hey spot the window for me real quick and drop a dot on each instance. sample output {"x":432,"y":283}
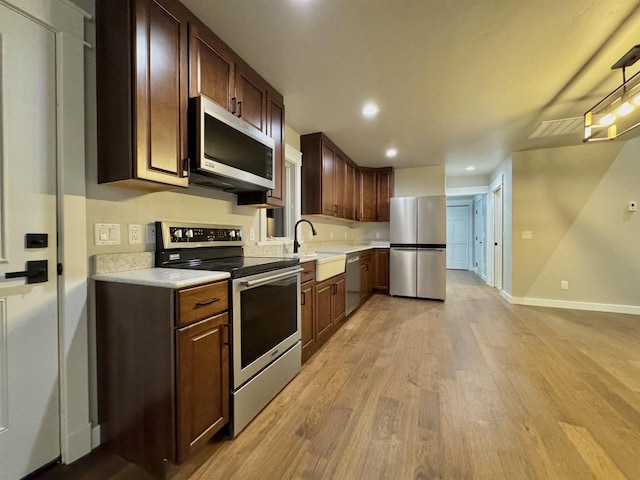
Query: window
{"x":276,"y":224}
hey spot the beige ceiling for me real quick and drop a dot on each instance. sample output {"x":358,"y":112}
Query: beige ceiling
{"x":459,"y":82}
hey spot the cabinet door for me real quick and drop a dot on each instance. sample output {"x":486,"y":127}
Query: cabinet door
{"x":251,"y":97}
{"x":339,"y":180}
{"x":203,"y":382}
{"x":382,"y":269}
{"x":328,"y":181}
{"x":339,"y":298}
{"x":211,"y":67}
{"x":368,"y":196}
{"x":384,"y":193}
{"x":161,"y":83}
{"x":324,"y":294}
{"x":307,"y":302}
{"x":275,"y":129}
{"x":350,"y":192}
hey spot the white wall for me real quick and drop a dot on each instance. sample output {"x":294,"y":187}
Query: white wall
{"x":574,"y":200}
{"x":419,"y":181}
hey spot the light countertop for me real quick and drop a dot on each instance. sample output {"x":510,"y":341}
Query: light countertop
{"x":346,"y":249}
{"x":162,"y":277}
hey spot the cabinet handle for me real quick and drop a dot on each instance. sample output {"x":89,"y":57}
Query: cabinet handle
{"x":233,"y":105}
{"x":185,"y":167}
{"x":204,"y":304}
{"x":304,"y":299}
{"x":225,"y":337}
{"x":239,"y":109}
{"x":335,"y":288}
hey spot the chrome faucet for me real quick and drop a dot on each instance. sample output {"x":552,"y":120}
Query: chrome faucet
{"x":296,"y":245}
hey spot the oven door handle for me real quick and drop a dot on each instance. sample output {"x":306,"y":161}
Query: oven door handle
{"x":272,"y":278}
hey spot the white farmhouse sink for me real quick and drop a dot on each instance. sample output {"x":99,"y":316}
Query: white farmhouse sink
{"x":329,"y":265}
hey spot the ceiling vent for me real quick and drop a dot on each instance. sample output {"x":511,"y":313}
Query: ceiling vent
{"x":552,"y":128}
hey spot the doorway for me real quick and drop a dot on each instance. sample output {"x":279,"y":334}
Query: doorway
{"x":459,"y":234}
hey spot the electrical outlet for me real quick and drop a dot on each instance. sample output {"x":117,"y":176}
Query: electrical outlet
{"x":151,"y":233}
{"x":377,"y":235}
{"x":632,"y":206}
{"x":330,"y":235}
{"x":252,"y":234}
{"x":345,"y":234}
{"x":135,"y":234}
{"x":527,"y":235}
{"x":106,"y":233}
{"x":564,"y":285}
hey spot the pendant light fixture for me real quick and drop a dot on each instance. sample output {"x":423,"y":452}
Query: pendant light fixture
{"x":619,"y":111}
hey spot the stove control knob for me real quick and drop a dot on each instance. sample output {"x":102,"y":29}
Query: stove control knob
{"x":232,"y":233}
{"x":188,"y":233}
{"x":177,"y":233}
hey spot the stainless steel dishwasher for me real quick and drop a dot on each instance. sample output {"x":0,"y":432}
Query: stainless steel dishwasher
{"x":353,"y":281}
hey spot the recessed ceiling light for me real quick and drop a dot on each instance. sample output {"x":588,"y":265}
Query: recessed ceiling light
{"x":370,"y":110}
{"x":391,"y":152}
{"x":470,"y":169}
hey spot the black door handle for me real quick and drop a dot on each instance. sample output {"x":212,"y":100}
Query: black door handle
{"x":37,"y":272}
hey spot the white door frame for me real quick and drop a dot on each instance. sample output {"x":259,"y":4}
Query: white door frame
{"x":466,"y":203}
{"x":494,"y":278}
{"x":66,"y":21}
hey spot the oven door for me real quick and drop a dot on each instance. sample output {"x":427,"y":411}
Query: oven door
{"x":266,"y":320}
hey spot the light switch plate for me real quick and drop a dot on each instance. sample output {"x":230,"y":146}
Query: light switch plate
{"x":106,"y":234}
{"x":527,"y":235}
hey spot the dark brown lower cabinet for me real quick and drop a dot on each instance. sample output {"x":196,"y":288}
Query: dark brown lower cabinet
{"x":324,"y":306}
{"x":163,"y":371}
{"x":203,"y":382}
{"x":308,"y":325}
{"x":381,"y":262}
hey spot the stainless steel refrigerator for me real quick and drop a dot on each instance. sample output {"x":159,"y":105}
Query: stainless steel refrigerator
{"x":418,"y":247}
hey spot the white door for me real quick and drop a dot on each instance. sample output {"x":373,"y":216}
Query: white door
{"x":29,"y":391}
{"x":479,"y":225}
{"x":458,"y":237}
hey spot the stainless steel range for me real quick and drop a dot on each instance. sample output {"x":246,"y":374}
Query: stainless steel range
{"x":265,"y":292}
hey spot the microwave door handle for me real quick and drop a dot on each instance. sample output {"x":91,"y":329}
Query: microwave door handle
{"x":272,"y":278}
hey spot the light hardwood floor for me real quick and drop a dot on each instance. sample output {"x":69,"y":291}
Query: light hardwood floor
{"x":473,"y":388}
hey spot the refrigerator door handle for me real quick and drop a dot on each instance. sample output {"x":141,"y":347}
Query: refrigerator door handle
{"x":400,"y":249}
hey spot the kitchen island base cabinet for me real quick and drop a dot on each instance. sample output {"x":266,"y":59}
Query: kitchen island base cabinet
{"x":162,"y":390}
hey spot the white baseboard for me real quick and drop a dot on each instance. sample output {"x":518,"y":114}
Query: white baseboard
{"x":593,"y":307}
{"x":77,"y":444}
{"x":95,"y":437}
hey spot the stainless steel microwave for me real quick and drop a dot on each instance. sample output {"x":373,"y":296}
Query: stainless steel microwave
{"x":229,"y":153}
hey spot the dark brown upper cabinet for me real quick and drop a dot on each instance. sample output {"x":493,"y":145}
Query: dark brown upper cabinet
{"x":333,"y":185}
{"x":152,"y":55}
{"x":211,"y":66}
{"x":322,"y":176}
{"x":222,"y":76}
{"x":142,"y":84}
{"x":368,"y":195}
{"x":384,"y":192}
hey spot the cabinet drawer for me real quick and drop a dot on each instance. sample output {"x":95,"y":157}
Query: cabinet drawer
{"x":202,"y":302}
{"x":309,"y":272}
